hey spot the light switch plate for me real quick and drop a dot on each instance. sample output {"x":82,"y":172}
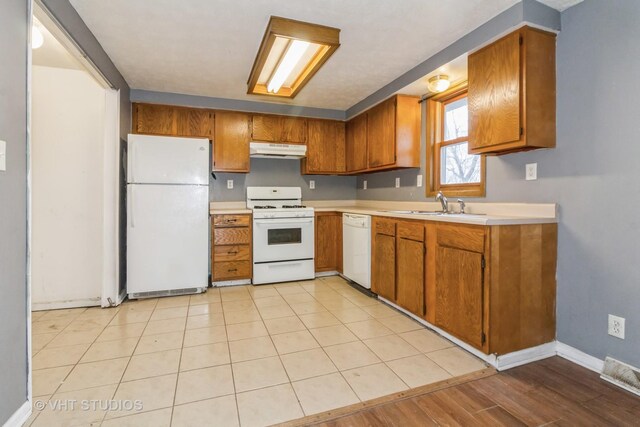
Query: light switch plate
{"x":531,"y":171}
{"x":397,"y":182}
{"x":364,"y":186}
{"x":229,"y":184}
{"x":312,"y":185}
{"x":419,"y":181}
{"x":3,"y":155}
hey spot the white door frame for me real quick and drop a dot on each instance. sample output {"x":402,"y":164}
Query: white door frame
{"x":111,"y":295}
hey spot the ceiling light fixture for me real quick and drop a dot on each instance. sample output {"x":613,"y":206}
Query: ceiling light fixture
{"x":439,"y":83}
{"x":290,"y":54}
{"x":37,"y":39}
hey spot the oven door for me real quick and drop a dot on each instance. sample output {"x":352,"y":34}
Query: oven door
{"x":282,"y":239}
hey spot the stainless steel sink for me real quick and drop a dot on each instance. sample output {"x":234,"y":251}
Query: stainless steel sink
{"x":409,"y":212}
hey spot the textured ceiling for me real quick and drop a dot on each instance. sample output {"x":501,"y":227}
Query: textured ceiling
{"x":207,"y":47}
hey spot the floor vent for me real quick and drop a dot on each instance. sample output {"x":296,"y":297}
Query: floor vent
{"x":155,"y":294}
{"x":622,"y":375}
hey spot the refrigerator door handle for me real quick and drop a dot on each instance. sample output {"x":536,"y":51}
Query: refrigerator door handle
{"x":130,"y":205}
{"x":132,"y":162}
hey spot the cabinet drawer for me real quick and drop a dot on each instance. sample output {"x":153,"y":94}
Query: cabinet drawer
{"x":232,"y":236}
{"x":411,"y":231}
{"x":231,"y":270}
{"x":464,"y":237}
{"x":385,"y":226}
{"x":231,"y":220}
{"x":232,"y":253}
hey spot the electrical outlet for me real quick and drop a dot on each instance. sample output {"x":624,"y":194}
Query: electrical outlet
{"x":397,"y":182}
{"x":616,"y":326}
{"x":531,"y":171}
{"x":3,"y":155}
{"x":312,"y":185}
{"x":229,"y":184}
{"x":419,"y":181}
{"x":364,"y":185}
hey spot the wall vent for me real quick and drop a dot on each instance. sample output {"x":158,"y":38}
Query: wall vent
{"x":622,"y":375}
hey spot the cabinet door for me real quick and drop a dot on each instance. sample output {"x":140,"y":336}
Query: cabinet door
{"x":356,"y":144}
{"x":381,"y":134}
{"x":328,"y":241}
{"x":411,"y":267}
{"x":194,"y":122}
{"x":231,"y":142}
{"x":267,"y":128}
{"x":325,"y":147}
{"x":155,"y":119}
{"x":494,"y":93}
{"x":383,"y":279}
{"x":459,"y":293}
{"x":294,"y":130}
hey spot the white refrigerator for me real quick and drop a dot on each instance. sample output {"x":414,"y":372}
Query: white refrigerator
{"x":167,"y":215}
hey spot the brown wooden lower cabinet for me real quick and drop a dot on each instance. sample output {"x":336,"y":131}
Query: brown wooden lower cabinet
{"x":492,"y":287}
{"x":328,"y":241}
{"x":231,"y":250}
{"x":383,"y":257}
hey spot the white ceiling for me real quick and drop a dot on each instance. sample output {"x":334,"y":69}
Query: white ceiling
{"x":207,"y":47}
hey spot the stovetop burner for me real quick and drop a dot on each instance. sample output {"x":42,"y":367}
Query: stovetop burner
{"x":264,"y":207}
{"x":293,"y":206}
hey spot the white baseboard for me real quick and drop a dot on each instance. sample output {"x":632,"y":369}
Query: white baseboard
{"x":231,"y":283}
{"x":20,"y":416}
{"x":528,"y":355}
{"x":579,"y":357}
{"x":56,"y":305}
{"x":326,"y":273}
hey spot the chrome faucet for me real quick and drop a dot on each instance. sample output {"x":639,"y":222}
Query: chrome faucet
{"x":462,"y":205}
{"x":443,"y":201}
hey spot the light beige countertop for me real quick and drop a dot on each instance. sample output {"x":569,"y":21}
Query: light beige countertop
{"x":477,"y":213}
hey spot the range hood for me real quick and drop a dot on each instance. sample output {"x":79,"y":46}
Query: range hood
{"x":277,"y":151}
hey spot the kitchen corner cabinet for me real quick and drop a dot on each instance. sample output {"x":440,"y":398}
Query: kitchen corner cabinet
{"x":492,"y":287}
{"x":231,"y":140}
{"x":512,"y":93}
{"x":356,"y":144}
{"x":325,"y":148}
{"x":279,"y":129}
{"x":231,"y":247}
{"x":328,"y":241}
{"x":393,"y":134}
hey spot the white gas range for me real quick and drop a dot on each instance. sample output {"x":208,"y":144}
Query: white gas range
{"x":283,"y":235}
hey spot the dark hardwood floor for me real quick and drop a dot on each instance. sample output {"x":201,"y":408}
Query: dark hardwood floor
{"x":553,"y":392}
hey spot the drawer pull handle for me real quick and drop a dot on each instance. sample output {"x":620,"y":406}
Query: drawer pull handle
{"x":232,"y":253}
{"x":232,"y":270}
{"x":230,"y":220}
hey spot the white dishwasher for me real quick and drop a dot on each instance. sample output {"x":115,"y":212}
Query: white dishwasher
{"x":356,"y":248}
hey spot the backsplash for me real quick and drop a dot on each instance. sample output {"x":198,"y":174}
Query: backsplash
{"x":283,"y":173}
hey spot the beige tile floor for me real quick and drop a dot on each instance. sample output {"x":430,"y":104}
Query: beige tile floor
{"x":248,"y":356}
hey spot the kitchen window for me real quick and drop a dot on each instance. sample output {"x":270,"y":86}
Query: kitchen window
{"x":450,"y":167}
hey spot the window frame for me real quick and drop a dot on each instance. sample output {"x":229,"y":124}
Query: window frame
{"x":435,"y":142}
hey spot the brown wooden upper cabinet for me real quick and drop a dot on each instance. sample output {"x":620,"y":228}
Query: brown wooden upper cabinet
{"x":356,"y":144}
{"x":168,"y":120}
{"x":231,"y":142}
{"x":385,"y":137}
{"x":512,"y":93}
{"x":325,"y":148}
{"x":287,"y":130}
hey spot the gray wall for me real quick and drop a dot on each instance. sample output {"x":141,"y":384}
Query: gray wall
{"x":280,"y":172}
{"x":593,"y":174}
{"x":14,"y":20}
